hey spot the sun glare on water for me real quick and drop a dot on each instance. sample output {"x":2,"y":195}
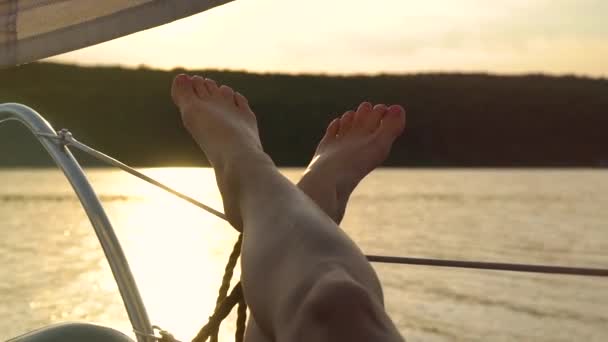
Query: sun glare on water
{"x":177,"y":251}
{"x":52,"y":268}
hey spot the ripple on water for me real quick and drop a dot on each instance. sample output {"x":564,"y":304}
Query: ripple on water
{"x":52,"y":269}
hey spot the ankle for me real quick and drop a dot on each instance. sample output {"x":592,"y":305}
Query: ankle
{"x":321,"y":189}
{"x":237,"y":178}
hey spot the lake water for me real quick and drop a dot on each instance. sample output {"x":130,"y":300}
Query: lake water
{"x":52,"y":268}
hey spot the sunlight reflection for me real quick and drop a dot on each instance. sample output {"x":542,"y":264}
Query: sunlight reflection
{"x":177,"y":251}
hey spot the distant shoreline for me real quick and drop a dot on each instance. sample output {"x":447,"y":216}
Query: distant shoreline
{"x":455,"y":120}
{"x":178,"y":69}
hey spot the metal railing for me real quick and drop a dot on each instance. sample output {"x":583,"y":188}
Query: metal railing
{"x":94,"y":210}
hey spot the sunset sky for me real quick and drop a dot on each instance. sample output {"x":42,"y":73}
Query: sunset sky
{"x":371,"y":36}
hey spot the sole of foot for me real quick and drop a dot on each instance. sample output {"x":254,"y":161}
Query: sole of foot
{"x":224,"y":126}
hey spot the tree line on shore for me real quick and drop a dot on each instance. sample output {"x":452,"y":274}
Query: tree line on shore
{"x":453,"y":120}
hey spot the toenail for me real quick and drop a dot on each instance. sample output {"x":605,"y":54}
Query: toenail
{"x":379,"y":107}
{"x":366,"y":106}
{"x":182,"y":78}
{"x":395,"y":109}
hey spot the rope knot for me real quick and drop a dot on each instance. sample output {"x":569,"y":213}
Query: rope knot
{"x":165,"y":336}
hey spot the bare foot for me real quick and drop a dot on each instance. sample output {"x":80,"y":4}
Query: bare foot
{"x":218,"y":119}
{"x":353,"y":146}
{"x":224,"y":126}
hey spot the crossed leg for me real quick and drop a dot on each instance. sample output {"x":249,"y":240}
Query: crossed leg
{"x":345,"y":155}
{"x":303,"y":278}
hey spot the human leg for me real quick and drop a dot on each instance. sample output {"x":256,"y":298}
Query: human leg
{"x":343,"y":157}
{"x":295,"y":259}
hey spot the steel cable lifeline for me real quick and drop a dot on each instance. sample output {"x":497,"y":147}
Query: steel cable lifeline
{"x":226,"y":302}
{"x":65,"y":137}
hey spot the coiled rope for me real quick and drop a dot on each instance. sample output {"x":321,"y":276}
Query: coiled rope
{"x":226,"y":302}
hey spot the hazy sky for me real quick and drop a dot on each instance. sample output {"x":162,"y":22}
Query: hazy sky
{"x":368,"y":36}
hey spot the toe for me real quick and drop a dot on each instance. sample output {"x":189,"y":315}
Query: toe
{"x":332,"y":129}
{"x":364,"y":107}
{"x":182,"y":91}
{"x":392,"y":124}
{"x":371,"y":121}
{"x":241,"y":101}
{"x":212,"y":87}
{"x":227,"y":92}
{"x":330,"y":132}
{"x":199,"y":87}
{"x":346,"y":123}
{"x":363,"y":111}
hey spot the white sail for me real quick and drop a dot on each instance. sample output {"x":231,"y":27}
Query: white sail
{"x":36,"y":29}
